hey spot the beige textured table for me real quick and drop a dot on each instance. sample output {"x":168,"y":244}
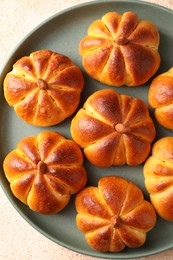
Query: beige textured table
{"x":18,"y":240}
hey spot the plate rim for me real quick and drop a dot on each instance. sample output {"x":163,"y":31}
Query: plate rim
{"x":66,"y":10}
{"x":2,"y":75}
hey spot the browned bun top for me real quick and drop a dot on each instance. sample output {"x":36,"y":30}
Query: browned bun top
{"x":121,"y":49}
{"x":44,"y":88}
{"x":113,"y":129}
{"x":44,"y":171}
{"x":160,"y":97}
{"x":114,"y":215}
{"x":158,"y":173}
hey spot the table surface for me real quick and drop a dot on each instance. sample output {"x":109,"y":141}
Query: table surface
{"x":18,"y":240}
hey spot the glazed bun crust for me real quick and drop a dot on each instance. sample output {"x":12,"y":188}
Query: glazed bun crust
{"x":44,"y":171}
{"x":121,"y":50}
{"x":158,"y":173}
{"x":44,"y":88}
{"x":160,"y":97}
{"x":113,"y":129}
{"x":114,"y":215}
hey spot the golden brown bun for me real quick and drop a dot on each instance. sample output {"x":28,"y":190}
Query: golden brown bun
{"x":113,"y":129}
{"x":160,"y":97}
{"x":158,"y":173}
{"x":44,"y":171}
{"x":44,"y":88}
{"x":114,"y":215}
{"x":121,"y":50}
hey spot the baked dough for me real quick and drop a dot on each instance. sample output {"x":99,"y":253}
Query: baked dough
{"x":113,"y":129}
{"x":121,"y":50}
{"x":160,"y":97}
{"x":44,"y":171}
{"x":114,"y":215}
{"x":158,"y":173}
{"x":44,"y":88}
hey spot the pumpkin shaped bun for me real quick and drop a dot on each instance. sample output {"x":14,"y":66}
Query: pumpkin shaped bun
{"x":114,"y":215}
{"x":44,"y":88}
{"x":44,"y":171}
{"x":158,"y":173}
{"x":121,"y":49}
{"x":160,"y":97}
{"x":113,"y":129}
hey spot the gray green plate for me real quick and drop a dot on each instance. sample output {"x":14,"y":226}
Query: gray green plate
{"x":62,"y":33}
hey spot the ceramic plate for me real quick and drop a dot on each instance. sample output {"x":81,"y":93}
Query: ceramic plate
{"x":62,"y":33}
